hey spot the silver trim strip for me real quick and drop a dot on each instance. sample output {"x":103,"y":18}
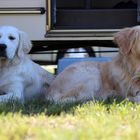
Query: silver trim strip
{"x":39,"y":10}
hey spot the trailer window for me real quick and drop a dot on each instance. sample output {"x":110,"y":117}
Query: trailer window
{"x":94,"y":14}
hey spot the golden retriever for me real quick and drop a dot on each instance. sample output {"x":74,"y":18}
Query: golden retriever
{"x":20,"y":78}
{"x":99,"y":80}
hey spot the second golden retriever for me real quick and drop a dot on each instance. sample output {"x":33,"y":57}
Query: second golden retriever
{"x":99,"y":80}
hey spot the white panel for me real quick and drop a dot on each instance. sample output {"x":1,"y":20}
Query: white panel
{"x":22,"y":3}
{"x":34,"y":25}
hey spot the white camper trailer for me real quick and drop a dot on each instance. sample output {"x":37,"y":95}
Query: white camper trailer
{"x":63,"y":24}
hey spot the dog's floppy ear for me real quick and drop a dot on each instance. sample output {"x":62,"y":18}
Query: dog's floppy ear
{"x":25,"y":44}
{"x":126,"y":39}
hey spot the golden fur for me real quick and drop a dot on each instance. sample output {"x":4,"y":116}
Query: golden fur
{"x":99,"y":80}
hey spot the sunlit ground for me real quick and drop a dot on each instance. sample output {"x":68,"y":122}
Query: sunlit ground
{"x":50,"y":68}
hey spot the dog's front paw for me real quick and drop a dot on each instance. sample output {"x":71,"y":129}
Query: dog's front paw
{"x":135,"y":97}
{"x":2,"y":92}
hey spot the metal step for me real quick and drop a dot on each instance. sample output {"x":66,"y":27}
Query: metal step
{"x":102,"y":34}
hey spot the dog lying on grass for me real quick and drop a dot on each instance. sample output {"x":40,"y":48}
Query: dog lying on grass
{"x":20,"y":78}
{"x":99,"y":80}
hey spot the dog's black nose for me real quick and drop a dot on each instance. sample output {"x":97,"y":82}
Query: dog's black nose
{"x":3,"y":50}
{"x":2,"y":47}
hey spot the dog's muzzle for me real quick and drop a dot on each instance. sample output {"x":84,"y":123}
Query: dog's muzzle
{"x":3,"y":50}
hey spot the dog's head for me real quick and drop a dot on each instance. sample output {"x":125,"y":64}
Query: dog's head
{"x":13,"y":42}
{"x":128,"y":40}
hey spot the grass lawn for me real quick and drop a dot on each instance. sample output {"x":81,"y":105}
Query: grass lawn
{"x":89,"y":121}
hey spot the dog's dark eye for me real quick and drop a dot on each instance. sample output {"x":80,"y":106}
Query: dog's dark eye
{"x":11,"y":38}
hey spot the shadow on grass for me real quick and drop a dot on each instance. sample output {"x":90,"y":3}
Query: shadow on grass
{"x":37,"y":107}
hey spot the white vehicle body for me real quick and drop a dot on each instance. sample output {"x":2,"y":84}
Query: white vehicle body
{"x":64,"y":24}
{"x":25,"y":15}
